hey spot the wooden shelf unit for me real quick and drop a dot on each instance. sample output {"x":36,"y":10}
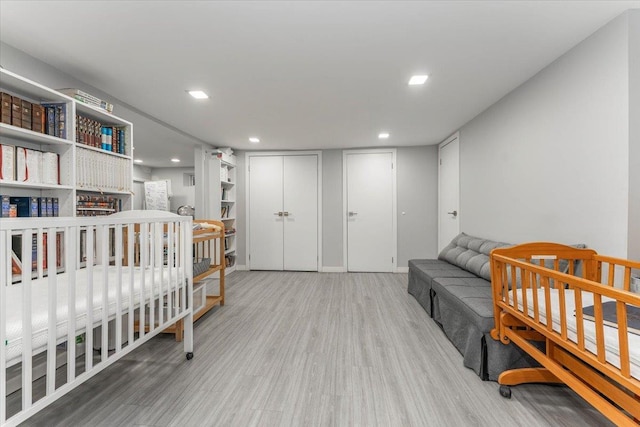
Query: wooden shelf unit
{"x":207,"y":243}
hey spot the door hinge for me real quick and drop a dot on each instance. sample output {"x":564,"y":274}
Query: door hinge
{"x":391,"y":260}
{"x":249,"y":257}
{"x":391,"y":165}
{"x":440,"y":162}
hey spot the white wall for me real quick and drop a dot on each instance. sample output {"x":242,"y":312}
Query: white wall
{"x":550,"y":161}
{"x":182,"y":195}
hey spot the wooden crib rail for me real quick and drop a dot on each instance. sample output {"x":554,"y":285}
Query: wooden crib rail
{"x":587,"y":368}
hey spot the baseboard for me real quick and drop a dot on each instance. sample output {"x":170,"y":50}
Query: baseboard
{"x":402,"y":270}
{"x":326,"y":269}
{"x":240,"y":267}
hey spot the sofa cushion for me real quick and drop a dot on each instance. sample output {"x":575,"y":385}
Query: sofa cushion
{"x":474,"y":303}
{"x":471,"y":254}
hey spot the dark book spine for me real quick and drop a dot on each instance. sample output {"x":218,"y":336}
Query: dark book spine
{"x":5,"y":108}
{"x":26,"y":114}
{"x":16,"y":111}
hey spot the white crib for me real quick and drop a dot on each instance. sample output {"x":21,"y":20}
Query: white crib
{"x":80,"y":293}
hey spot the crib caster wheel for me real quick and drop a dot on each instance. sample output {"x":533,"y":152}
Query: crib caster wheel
{"x":189,"y":355}
{"x":505,"y":391}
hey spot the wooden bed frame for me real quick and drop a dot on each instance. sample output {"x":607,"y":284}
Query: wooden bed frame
{"x":525,"y":279}
{"x":116,"y":290}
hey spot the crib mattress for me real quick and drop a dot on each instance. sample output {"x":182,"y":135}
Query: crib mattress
{"x":611,"y":333}
{"x":157,"y":281}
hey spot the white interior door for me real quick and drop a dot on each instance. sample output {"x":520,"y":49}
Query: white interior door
{"x":266,"y":220}
{"x":448,"y":191}
{"x":370,"y":196}
{"x":300,"y":205}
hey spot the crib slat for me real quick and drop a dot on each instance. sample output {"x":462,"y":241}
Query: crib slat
{"x":53,"y":307}
{"x":182,"y":231}
{"x":143,"y":267}
{"x":71,"y":235}
{"x":170,"y":287}
{"x":544,"y":281}
{"x":118,"y":253}
{"x":104,"y":252}
{"x":599,"y":325}
{"x":627,"y":279}
{"x":153,"y":236}
{"x":131,"y":236}
{"x":525,"y":286}
{"x":27,"y":373}
{"x":563,"y":311}
{"x":536,"y":305}
{"x":623,"y":338}
{"x":514,"y":287}
{"x":579,"y":317}
{"x":89,"y":302}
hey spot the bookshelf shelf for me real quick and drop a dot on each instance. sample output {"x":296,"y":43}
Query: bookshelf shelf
{"x":101,"y":191}
{"x":227,"y":201}
{"x":26,"y":135}
{"x":82,"y":169}
{"x":31,"y":185}
{"x":35,"y":92}
{"x":100,"y":150}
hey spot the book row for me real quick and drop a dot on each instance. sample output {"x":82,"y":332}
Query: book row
{"x":47,"y":118}
{"x":87,"y":98}
{"x":95,"y":134}
{"x":91,"y":205}
{"x":29,"y":206}
{"x":98,"y":171}
{"x":16,"y":253}
{"x":224,"y":211}
{"x":26,"y":165}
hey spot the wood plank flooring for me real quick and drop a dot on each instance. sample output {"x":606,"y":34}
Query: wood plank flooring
{"x":309,"y":349}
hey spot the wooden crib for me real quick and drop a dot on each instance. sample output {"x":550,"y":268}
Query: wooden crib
{"x":73,"y":294}
{"x":564,"y":297}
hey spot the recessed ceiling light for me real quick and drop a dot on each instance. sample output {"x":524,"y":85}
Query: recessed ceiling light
{"x":175,"y":160}
{"x":198,"y":94}
{"x":138,"y":161}
{"x":418,"y":80}
{"x":383,"y":135}
{"x":254,"y":140}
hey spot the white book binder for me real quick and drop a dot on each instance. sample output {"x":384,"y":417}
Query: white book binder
{"x":50,"y":168}
{"x":7,"y":162}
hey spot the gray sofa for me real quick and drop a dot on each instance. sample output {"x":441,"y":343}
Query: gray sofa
{"x":455,"y":290}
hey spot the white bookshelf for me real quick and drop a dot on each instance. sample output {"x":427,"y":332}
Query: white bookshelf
{"x":72,"y":155}
{"x":227,"y":205}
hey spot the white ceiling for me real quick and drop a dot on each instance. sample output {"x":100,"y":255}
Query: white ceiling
{"x":301,"y":75}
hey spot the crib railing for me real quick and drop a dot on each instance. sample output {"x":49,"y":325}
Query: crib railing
{"x":78,"y":292}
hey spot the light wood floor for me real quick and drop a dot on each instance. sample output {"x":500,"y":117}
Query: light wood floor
{"x":306,"y":349}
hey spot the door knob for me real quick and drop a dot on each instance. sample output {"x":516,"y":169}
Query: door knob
{"x":278,"y":213}
{"x":285,"y":213}
{"x":353,"y":213}
{"x":454,"y":213}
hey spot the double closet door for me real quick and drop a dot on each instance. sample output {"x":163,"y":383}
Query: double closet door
{"x":283,"y":212}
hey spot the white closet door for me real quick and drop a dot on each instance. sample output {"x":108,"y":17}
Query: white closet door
{"x":301,"y":213}
{"x":265,"y":223}
{"x":370,"y":212}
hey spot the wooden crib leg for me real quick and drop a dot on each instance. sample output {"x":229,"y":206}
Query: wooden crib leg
{"x":527,"y":375}
{"x":179,"y":330}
